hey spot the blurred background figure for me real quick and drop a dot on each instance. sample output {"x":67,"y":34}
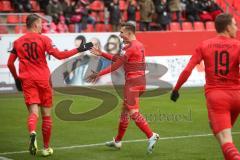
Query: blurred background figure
{"x":82,"y":16}
{"x":76,"y":74}
{"x":96,"y":43}
{"x":131,"y":11}
{"x":54,"y":9}
{"x":192,"y":11}
{"x":147,"y":9}
{"x":43,"y":4}
{"x":204,"y":13}
{"x":175,"y":9}
{"x":114,"y":15}
{"x":93,"y":61}
{"x":61,"y":26}
{"x":214,"y":9}
{"x":22,"y":5}
{"x":68,"y":10}
{"x":163,"y":17}
{"x":113,"y":46}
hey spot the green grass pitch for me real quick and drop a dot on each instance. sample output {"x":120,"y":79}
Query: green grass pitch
{"x":192,"y":120}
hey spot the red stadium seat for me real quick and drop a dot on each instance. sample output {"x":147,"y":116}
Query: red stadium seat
{"x":24,"y":18}
{"x":122,"y":5}
{"x":98,"y":16}
{"x":3,"y":30}
{"x":199,"y":26}
{"x":71,"y":28}
{"x":97,"y":5}
{"x":210,"y":26}
{"x":100,"y":27}
{"x":90,"y":28}
{"x":109,"y":28}
{"x":5,"y":5}
{"x":13,"y":19}
{"x":187,"y":26}
{"x":20,"y":29}
{"x":35,"y":5}
{"x":95,"y":16}
{"x":101,"y":16}
{"x":175,"y":26}
{"x":137,"y":26}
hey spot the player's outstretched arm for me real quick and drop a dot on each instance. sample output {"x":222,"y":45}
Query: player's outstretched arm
{"x":11,"y":66}
{"x":195,"y":59}
{"x":66,"y":54}
{"x":95,"y":76}
{"x":52,"y":50}
{"x":62,"y":55}
{"x":108,"y":56}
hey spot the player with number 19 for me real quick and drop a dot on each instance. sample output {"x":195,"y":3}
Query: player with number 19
{"x":34,"y":77}
{"x":221,"y":57}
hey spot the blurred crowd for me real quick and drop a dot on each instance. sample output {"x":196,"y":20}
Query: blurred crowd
{"x":143,"y":12}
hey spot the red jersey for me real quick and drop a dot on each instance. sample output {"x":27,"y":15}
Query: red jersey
{"x":31,"y":49}
{"x":221,"y":60}
{"x":133,"y":59}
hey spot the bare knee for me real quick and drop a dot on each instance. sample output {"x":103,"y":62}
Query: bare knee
{"x":45,"y":111}
{"x":33,"y":109}
{"x":224,"y":136}
{"x":132,"y":111}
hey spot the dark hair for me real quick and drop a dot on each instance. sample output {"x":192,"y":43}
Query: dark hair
{"x":222,"y":21}
{"x":31,"y":19}
{"x":129,"y":26}
{"x":82,"y":38}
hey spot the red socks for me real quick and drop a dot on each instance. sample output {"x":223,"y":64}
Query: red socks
{"x":123,"y":124}
{"x":46,"y":130}
{"x":46,"y":127}
{"x":32,"y":122}
{"x":230,"y":151}
{"x":142,"y":123}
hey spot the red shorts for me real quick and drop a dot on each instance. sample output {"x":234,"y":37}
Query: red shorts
{"x":132,"y":92}
{"x":37,"y":92}
{"x":223,"y":108}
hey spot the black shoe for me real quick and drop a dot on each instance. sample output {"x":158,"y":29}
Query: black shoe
{"x":33,"y":144}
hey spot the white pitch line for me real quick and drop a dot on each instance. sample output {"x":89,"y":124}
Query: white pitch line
{"x":128,"y":141}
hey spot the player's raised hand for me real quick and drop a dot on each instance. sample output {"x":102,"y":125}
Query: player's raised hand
{"x":174,"y":96}
{"x":85,"y":47}
{"x":96,"y":51}
{"x":93,"y":77}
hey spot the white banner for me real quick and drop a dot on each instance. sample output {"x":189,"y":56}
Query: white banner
{"x":174,"y":64}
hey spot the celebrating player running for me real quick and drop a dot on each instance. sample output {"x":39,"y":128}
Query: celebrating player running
{"x":222,"y":89}
{"x":34,"y":77}
{"x":134,"y":66}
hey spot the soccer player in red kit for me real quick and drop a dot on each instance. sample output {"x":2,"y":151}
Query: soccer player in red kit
{"x":221,"y":56}
{"x":34,"y":78}
{"x":133,"y":62}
